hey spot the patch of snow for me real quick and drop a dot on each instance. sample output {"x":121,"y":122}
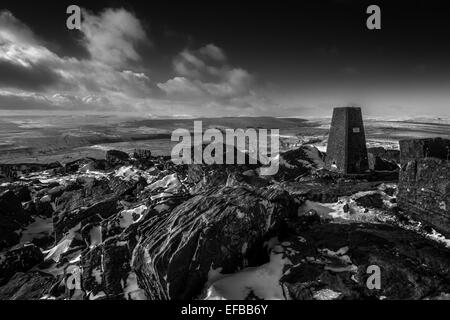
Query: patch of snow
{"x":169,"y":183}
{"x":436,"y":236}
{"x":100,"y":294}
{"x":129,"y":217}
{"x":95,"y":236}
{"x":326,"y":294}
{"x":63,"y":245}
{"x":131,"y":290}
{"x":262,"y":281}
{"x":97,"y":274}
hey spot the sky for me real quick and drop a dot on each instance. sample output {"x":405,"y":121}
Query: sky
{"x":213,"y":59}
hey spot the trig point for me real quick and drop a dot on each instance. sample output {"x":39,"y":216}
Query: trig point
{"x":346,"y":150}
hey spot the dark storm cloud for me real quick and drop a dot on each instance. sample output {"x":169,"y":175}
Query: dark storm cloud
{"x":286,"y":58}
{"x":34,"y":78}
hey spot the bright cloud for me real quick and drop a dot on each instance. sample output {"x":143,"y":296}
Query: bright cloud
{"x":32,"y":76}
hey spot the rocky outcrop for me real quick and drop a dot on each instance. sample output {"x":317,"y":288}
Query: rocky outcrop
{"x":424,"y":186}
{"x":298,"y":163}
{"x":157,"y":230}
{"x":143,"y":158}
{"x":335,"y":258}
{"x":390,"y":155}
{"x":116,"y":158}
{"x":12,"y":218}
{"x":18,"y":260}
{"x":218,"y":229}
{"x":377,"y":163}
{"x":12,"y":171}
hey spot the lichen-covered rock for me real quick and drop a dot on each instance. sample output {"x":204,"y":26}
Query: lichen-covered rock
{"x":218,"y":229}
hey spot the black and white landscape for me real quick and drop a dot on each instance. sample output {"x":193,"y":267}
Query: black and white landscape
{"x":92,"y":206}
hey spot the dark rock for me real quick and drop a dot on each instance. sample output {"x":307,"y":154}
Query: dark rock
{"x":43,"y":208}
{"x":328,"y":191}
{"x":11,"y":207}
{"x":27,"y":286}
{"x":102,"y":209}
{"x":18,"y":260}
{"x":106,"y":268}
{"x":236,"y":179}
{"x":379,"y":164}
{"x":297,"y":163}
{"x":216,"y":229}
{"x":13,"y":171}
{"x":415,"y":149}
{"x":386,"y":154}
{"x":121,"y":187}
{"x":23,"y":193}
{"x":143,"y":158}
{"x":373,"y":200}
{"x":116,"y":158}
{"x":424,"y":186}
{"x":412,"y":267}
{"x":84,"y":165}
{"x":390,"y":191}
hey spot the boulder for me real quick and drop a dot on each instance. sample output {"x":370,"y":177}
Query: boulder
{"x":12,"y":218}
{"x":84,"y":165}
{"x":424,"y":186}
{"x":143,"y":158}
{"x":217,"y":229}
{"x":371,"y":200}
{"x":96,"y":212}
{"x":116,"y":158}
{"x":298,"y":163}
{"x":390,"y":155}
{"x":106,"y":270}
{"x":377,"y":163}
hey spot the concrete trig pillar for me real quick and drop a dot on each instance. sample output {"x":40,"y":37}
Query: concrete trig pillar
{"x":346,"y":150}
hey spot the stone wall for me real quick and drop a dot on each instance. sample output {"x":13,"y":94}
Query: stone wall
{"x":424,"y":184}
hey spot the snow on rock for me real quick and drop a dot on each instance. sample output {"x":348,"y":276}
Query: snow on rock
{"x":342,"y":262}
{"x":326,"y":294}
{"x":63,"y":245}
{"x":169,"y":183}
{"x":366,"y":206}
{"x":262,"y":282}
{"x":95,"y":236}
{"x":129,"y":217}
{"x":131,"y":290}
